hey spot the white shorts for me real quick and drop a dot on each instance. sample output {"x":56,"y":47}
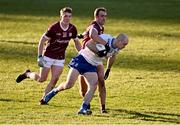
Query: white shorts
{"x":50,"y":62}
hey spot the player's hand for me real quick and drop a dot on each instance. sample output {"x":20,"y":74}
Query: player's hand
{"x":107,"y":47}
{"x":106,"y":74}
{"x":80,"y":36}
{"x":41,"y":61}
{"x":102,"y":53}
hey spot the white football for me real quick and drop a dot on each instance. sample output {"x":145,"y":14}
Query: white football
{"x":100,"y":47}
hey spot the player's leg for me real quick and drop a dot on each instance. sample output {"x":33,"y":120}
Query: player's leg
{"x":41,"y":77}
{"x":22,"y":76}
{"x":91,"y":79}
{"x":82,"y":86}
{"x":71,"y":79}
{"x":55,"y":73}
{"x":101,"y":87}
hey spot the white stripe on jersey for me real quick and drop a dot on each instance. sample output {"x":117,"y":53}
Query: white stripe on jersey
{"x":90,"y":31}
{"x":44,"y":35}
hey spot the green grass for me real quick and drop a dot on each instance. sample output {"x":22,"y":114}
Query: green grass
{"x":144,"y":83}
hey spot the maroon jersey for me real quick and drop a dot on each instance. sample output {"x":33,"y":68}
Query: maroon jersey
{"x":59,"y":40}
{"x":95,"y":25}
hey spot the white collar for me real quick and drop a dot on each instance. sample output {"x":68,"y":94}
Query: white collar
{"x":64,"y":29}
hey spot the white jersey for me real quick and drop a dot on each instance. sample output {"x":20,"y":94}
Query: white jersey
{"x":92,"y":58}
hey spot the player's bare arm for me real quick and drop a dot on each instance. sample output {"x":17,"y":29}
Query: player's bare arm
{"x":94,"y":35}
{"x":77,"y":44}
{"x":110,"y":61}
{"x":92,"y":46}
{"x":41,"y":44}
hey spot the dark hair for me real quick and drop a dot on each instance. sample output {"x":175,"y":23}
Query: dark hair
{"x":97,"y":10}
{"x":65,"y":9}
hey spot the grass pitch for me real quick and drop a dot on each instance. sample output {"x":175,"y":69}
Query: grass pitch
{"x":144,"y":83}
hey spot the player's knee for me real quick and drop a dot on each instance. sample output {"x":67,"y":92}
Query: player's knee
{"x":41,"y":79}
{"x":93,"y":86}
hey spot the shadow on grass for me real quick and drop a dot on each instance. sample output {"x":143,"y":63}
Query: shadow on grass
{"x":148,"y":116}
{"x":18,"y":50}
{"x":62,"y":106}
{"x":150,"y":63}
{"x":167,"y":114}
{"x":19,"y":42}
{"x":25,"y":52}
{"x":11,"y":100}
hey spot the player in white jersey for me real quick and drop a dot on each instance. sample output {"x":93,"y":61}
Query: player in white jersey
{"x":89,"y":52}
{"x":85,"y":63}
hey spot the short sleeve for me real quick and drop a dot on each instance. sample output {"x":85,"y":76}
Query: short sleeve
{"x":93,"y":27}
{"x":50,"y":33}
{"x":74,"y":35}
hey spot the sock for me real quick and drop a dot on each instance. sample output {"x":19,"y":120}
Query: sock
{"x":27,"y":73}
{"x":103,"y":107}
{"x":50,"y":95}
{"x":89,"y":106}
{"x":84,"y":106}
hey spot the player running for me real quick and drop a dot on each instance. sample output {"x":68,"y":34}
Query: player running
{"x":92,"y":32}
{"x":53,"y":58}
{"x":85,"y":63}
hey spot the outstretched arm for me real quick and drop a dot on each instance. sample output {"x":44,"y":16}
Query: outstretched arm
{"x":110,"y":62}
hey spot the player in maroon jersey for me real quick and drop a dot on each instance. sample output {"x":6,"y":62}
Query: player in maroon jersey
{"x":53,"y":57}
{"x":92,"y":32}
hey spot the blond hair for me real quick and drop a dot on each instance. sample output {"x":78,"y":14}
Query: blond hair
{"x":65,"y":9}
